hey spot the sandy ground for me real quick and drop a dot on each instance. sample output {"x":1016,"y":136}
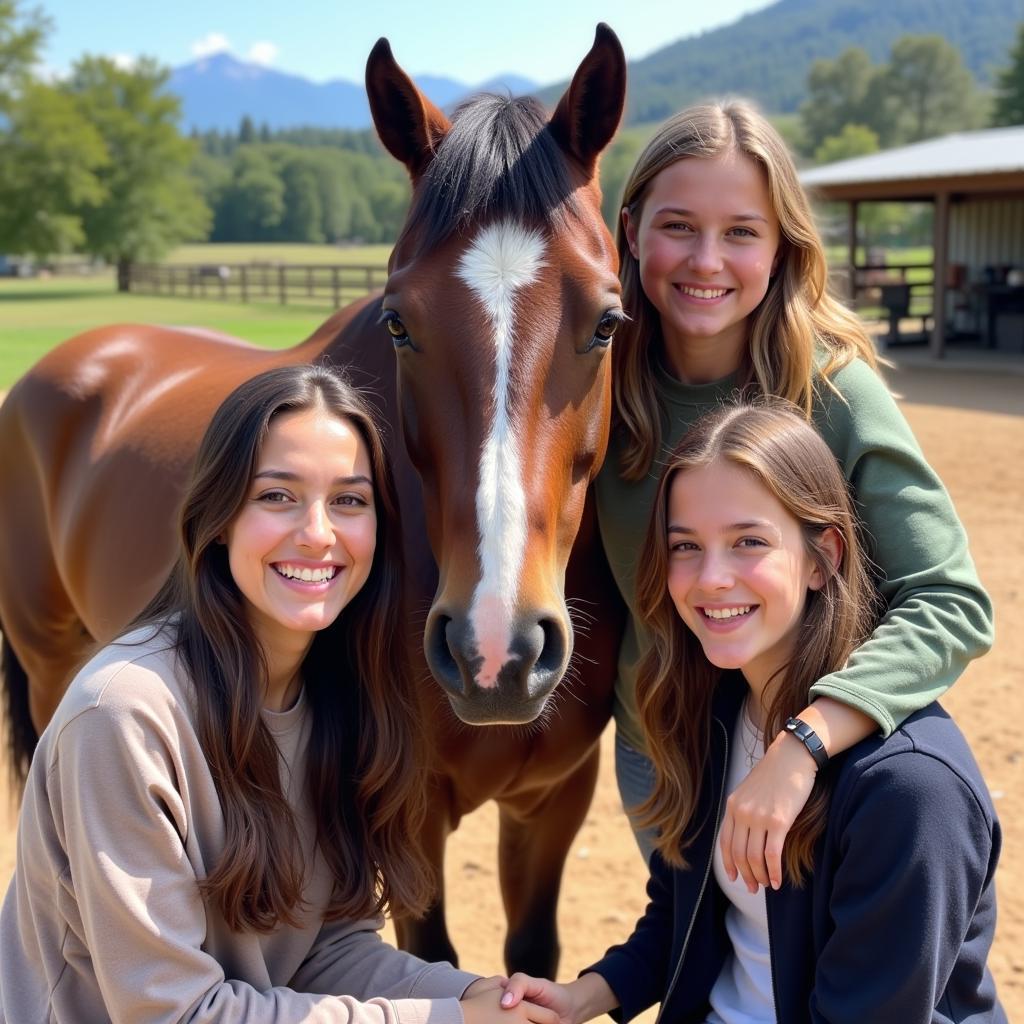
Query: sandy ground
{"x":971,"y":426}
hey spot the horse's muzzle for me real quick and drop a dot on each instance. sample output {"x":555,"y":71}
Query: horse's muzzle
{"x":538,"y":652}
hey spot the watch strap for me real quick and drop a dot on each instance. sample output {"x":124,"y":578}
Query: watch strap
{"x":809,"y":738}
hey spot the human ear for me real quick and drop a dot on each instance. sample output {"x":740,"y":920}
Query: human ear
{"x":629,"y":226}
{"x":830,"y":543}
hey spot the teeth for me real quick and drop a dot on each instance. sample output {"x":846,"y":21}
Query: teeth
{"x":703,"y":293}
{"x":307,"y":575}
{"x":726,"y":613}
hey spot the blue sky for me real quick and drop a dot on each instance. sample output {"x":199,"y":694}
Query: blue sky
{"x":325,"y":39}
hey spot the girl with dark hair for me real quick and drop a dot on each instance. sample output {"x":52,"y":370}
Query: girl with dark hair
{"x":226,"y":799}
{"x":753,"y":585}
{"x":725,"y":282}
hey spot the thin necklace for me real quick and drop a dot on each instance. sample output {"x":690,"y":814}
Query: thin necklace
{"x":755,"y":751}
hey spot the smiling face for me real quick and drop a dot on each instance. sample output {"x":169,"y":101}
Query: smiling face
{"x":706,"y":238}
{"x":738,"y":569}
{"x":303,"y":543}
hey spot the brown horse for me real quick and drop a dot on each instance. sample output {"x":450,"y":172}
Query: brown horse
{"x":488,"y":356}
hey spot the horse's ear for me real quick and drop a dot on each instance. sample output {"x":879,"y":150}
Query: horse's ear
{"x":409,"y":125}
{"x":588,"y":114}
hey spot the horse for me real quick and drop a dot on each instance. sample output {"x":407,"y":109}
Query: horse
{"x":488,"y":357}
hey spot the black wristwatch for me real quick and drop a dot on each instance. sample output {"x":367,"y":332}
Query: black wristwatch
{"x":809,"y":738}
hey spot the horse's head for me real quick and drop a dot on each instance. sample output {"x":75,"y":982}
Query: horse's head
{"x":501,"y":302}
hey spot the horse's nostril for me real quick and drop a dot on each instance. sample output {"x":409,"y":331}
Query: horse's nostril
{"x":439,"y":653}
{"x":552,"y":653}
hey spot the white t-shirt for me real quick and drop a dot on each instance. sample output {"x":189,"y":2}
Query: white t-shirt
{"x":743,"y":992}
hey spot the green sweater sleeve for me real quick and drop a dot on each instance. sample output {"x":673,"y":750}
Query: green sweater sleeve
{"x":937,"y":617}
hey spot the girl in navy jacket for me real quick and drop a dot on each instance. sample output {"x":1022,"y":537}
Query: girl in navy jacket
{"x":753,"y":586}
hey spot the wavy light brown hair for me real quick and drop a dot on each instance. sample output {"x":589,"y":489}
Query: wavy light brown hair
{"x":676,"y":682}
{"x":364,"y":758}
{"x":796,"y":323}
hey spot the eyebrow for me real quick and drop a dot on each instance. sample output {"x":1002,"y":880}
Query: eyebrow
{"x":690,"y":213}
{"x":752,"y":524}
{"x":285,"y":475}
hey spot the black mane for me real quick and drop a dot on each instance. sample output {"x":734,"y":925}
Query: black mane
{"x":500,"y":159}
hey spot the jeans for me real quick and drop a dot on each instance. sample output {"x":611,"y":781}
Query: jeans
{"x":635,"y":776}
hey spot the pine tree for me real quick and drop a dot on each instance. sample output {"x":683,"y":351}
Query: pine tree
{"x":1009,"y":104}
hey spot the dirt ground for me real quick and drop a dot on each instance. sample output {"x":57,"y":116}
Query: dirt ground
{"x":971,"y":427}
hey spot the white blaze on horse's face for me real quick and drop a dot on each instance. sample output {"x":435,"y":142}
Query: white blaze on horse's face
{"x":501,"y":261}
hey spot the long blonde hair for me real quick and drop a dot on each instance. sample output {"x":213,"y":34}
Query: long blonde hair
{"x":676,"y":682}
{"x":795,"y":321}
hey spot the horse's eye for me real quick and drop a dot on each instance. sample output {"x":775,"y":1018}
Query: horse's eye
{"x":399,"y":335}
{"x":605,"y":330}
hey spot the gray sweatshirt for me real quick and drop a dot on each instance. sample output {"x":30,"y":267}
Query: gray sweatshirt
{"x":103,"y":920}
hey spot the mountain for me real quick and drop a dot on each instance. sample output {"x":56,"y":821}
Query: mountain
{"x":219,"y":90}
{"x":767,"y":54}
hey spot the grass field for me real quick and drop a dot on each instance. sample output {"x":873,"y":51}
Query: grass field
{"x":36,"y":314}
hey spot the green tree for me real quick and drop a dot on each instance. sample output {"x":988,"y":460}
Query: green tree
{"x":212,"y":177}
{"x":252,"y":204}
{"x":616,"y":164}
{"x":1009,"y":92}
{"x":49,"y":154}
{"x":389,"y":202}
{"x":246,"y":131}
{"x":303,"y":217}
{"x":838,"y":93}
{"x":49,"y":160}
{"x":853,"y":140}
{"x":150,"y":201}
{"x":21,"y":33}
{"x":928,"y":89}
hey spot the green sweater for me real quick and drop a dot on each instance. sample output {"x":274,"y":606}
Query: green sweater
{"x":937,"y":616}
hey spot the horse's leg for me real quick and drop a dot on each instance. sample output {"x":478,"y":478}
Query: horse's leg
{"x":44,"y":638}
{"x":534,"y":840}
{"x":44,"y":642}
{"x":428,"y":936}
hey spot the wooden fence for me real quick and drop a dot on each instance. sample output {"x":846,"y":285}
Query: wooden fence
{"x":258,"y":282}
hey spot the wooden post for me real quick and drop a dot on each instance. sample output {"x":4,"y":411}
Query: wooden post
{"x":369,"y":280}
{"x":282,"y":287}
{"x":851,"y":246}
{"x":245,"y":283}
{"x":191,"y":282}
{"x":335,"y":287}
{"x":940,"y":250}
{"x":309,"y":281}
{"x":174,"y":279}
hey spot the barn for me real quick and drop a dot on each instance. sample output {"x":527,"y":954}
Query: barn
{"x":975,"y":181}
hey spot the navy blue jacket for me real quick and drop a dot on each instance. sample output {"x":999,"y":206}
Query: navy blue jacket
{"x":896,"y":923}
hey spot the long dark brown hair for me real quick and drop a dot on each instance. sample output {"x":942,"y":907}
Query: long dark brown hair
{"x":676,"y":682}
{"x":796,"y":323}
{"x":364,"y":761}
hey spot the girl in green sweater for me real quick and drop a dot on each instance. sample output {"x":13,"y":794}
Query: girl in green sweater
{"x":724,"y":278}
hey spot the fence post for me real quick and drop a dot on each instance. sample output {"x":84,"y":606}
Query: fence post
{"x":335,"y":287}
{"x":245,"y":283}
{"x":309,"y":281}
{"x":282,"y":288}
{"x":191,"y":271}
{"x":369,"y":280}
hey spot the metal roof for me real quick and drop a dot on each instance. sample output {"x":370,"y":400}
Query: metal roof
{"x":963,"y":154}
